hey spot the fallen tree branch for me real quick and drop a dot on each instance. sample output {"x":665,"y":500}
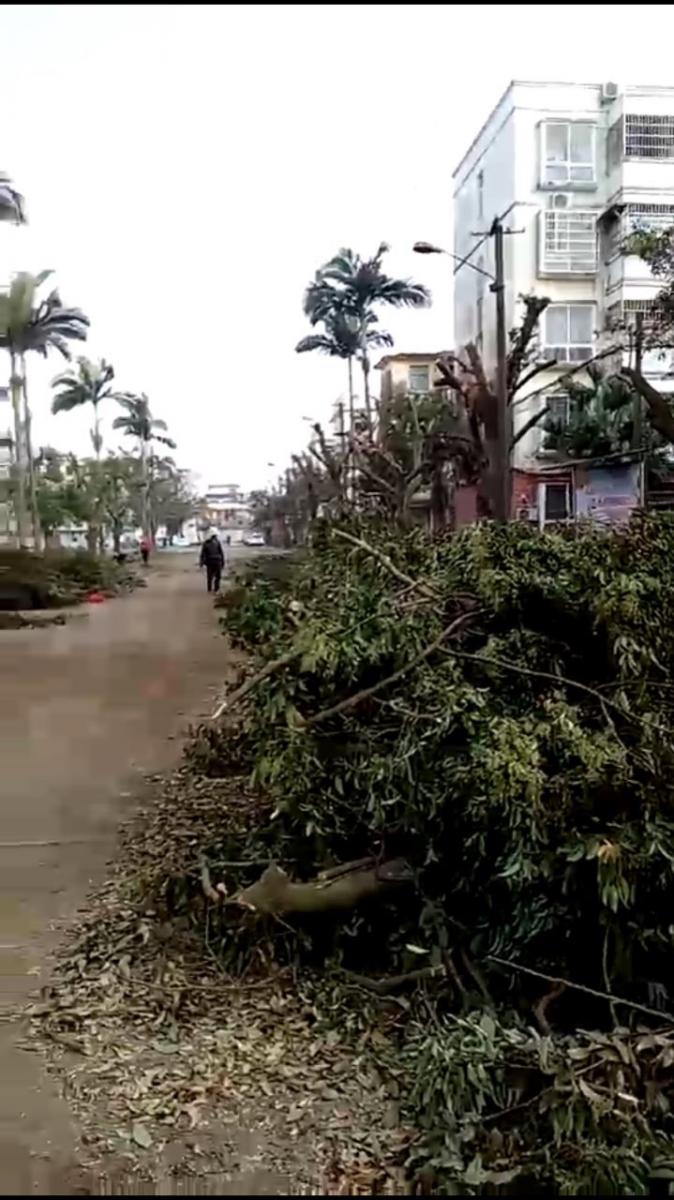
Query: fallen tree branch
{"x":275,"y":894}
{"x":269,"y":668}
{"x":365,"y":693}
{"x":579,"y":987}
{"x":384,"y":987}
{"x":386,"y":562}
{"x":506,"y":665}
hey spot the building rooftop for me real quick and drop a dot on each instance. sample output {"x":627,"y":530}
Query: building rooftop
{"x":416,"y":356}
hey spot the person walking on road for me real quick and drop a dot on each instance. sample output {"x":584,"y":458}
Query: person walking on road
{"x":213,"y":559}
{"x":145,"y":547}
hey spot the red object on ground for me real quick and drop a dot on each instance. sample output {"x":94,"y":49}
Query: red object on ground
{"x":95,"y":598}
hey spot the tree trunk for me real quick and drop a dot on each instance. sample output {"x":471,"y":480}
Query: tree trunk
{"x":96,"y":439}
{"x":145,"y":488}
{"x":32,"y":480}
{"x":352,"y":413}
{"x":365,"y":365}
{"x":19,"y":454}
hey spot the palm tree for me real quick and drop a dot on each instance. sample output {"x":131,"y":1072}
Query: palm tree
{"x":353,"y":287}
{"x":139,"y":423}
{"x":343,"y":339}
{"x":11,"y":202}
{"x":30,"y":325}
{"x":88,"y":384}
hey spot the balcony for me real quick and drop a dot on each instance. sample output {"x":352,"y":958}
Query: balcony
{"x":567,"y":242}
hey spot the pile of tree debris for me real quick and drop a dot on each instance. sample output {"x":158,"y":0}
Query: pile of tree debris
{"x":467,"y":749}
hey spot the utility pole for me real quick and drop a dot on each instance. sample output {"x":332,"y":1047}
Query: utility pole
{"x":637,"y":411}
{"x":503,"y":489}
{"x":638,"y":408}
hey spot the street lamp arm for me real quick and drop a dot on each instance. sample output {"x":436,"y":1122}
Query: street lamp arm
{"x":429,"y":248}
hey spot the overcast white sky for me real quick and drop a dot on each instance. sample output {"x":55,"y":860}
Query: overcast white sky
{"x":186,"y":170}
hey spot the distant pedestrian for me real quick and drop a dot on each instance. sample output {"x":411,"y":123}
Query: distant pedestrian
{"x":145,"y":547}
{"x":213,"y":559}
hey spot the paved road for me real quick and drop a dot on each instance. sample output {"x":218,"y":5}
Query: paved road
{"x":86,"y":709}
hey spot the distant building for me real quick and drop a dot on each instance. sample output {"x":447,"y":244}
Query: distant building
{"x":227,"y":509}
{"x":405,"y":373}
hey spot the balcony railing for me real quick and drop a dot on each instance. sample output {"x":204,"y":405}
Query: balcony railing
{"x":567,"y":242}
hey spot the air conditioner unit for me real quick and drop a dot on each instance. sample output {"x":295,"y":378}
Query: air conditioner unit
{"x":609,"y":92}
{"x":559,"y":200}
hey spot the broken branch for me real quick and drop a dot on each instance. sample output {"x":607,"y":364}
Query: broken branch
{"x":365,"y":693}
{"x":236,"y":696}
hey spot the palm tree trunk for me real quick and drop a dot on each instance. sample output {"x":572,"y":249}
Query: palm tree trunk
{"x":365,"y":364}
{"x":352,"y":413}
{"x":32,"y":481}
{"x":96,"y":439}
{"x":351,"y":476}
{"x":20,"y":495}
{"x":145,"y":487}
{"x":97,"y":433}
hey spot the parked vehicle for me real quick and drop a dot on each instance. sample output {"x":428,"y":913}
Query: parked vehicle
{"x":254,"y":538}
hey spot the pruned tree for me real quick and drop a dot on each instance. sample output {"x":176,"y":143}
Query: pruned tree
{"x":466,"y":375}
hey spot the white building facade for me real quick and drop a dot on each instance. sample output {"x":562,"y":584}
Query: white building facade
{"x":574,"y":167}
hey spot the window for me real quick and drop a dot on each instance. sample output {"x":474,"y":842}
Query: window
{"x":556,"y":502}
{"x":417,"y":379}
{"x":568,"y":154}
{"x":648,"y":216}
{"x":559,"y":408}
{"x":568,"y":331}
{"x":568,"y":242}
{"x":614,"y":145}
{"x":649,"y":136}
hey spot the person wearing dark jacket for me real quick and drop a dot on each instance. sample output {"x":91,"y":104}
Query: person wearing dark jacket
{"x":213,"y":559}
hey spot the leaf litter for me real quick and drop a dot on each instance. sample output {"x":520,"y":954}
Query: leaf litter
{"x":173,"y":1068}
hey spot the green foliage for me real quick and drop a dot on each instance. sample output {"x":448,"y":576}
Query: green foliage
{"x":525,"y":770}
{"x":256,"y":605}
{"x":503,"y":1110}
{"x":57,"y":578}
{"x":543,"y":809}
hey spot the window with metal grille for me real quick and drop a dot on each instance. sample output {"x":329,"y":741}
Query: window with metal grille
{"x":568,"y":154}
{"x":568,"y":242}
{"x":417,"y":379}
{"x":649,"y":136}
{"x":648,"y":216}
{"x":568,"y":331}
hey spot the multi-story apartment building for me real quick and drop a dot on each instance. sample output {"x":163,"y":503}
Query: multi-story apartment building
{"x":574,"y":167}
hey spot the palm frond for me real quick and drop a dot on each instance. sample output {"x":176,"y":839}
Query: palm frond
{"x":12,"y":204}
{"x":318,"y":342}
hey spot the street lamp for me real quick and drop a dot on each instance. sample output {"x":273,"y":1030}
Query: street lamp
{"x":429,"y":248}
{"x":497,"y":286}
